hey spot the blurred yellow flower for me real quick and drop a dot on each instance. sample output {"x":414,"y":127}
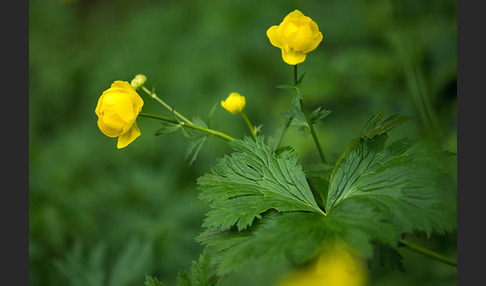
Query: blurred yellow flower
{"x":234,"y":103}
{"x":338,"y":267}
{"x":117,"y":110}
{"x":296,"y":36}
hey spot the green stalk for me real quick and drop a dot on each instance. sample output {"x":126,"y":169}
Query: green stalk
{"x":190,"y":125}
{"x":311,"y":127}
{"x":250,"y":126}
{"x":284,"y":130}
{"x":428,"y":253}
{"x":154,"y":96}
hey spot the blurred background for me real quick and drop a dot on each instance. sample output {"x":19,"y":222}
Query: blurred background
{"x":103,"y":216}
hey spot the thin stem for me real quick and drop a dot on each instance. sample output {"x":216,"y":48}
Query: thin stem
{"x":250,"y":126}
{"x":311,"y":126}
{"x":295,"y":75}
{"x":284,"y":130}
{"x":190,"y":125}
{"x":154,"y":96}
{"x":428,"y":252}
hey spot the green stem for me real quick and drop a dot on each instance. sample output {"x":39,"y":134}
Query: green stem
{"x":154,"y":96}
{"x":250,"y":126}
{"x":190,"y":125}
{"x":284,"y":130}
{"x":428,"y":253}
{"x":311,"y":126}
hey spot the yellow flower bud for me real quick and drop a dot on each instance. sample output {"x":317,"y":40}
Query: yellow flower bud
{"x":234,"y":103}
{"x":296,"y":36}
{"x":138,"y":81}
{"x":117,"y":110}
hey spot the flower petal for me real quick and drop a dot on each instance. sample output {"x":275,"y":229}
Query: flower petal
{"x":292,"y":57}
{"x":111,"y":126}
{"x":274,"y":37}
{"x":128,"y":137}
{"x":121,"y":104}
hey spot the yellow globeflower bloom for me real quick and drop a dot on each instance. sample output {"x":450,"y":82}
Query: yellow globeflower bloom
{"x":117,"y":110}
{"x":337,"y":267}
{"x":234,"y":103}
{"x":296,"y":36}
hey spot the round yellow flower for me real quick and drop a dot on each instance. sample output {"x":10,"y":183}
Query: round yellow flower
{"x":234,"y":103}
{"x":117,"y":110}
{"x":296,"y":36}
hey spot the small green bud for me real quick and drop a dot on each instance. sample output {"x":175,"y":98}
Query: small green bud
{"x":138,"y":81}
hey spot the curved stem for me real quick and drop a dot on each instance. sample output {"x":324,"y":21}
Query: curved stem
{"x":250,"y":126}
{"x":311,"y":126}
{"x":154,"y":96}
{"x":428,"y":252}
{"x":190,"y":125}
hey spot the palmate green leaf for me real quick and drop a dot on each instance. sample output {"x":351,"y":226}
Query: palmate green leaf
{"x":374,"y":193}
{"x":251,"y":181}
{"x":401,"y":180}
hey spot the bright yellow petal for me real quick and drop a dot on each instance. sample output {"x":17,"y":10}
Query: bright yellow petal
{"x":317,"y":40}
{"x":137,"y":101}
{"x":110,"y":130}
{"x":296,"y":14}
{"x":293,"y":58}
{"x":128,"y":137}
{"x":274,"y":37}
{"x":120,"y":84}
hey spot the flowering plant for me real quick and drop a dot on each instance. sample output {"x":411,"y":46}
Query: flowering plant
{"x":264,"y":206}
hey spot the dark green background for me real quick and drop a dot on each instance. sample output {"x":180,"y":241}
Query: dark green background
{"x":102,"y":216}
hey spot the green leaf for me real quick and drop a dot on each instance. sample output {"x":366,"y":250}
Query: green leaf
{"x":402,"y":180}
{"x":374,"y":193}
{"x":296,"y":98}
{"x":387,"y":254}
{"x":252,"y":180}
{"x":152,"y":281}
{"x":318,"y":114}
{"x":196,"y":139}
{"x":286,"y":86}
{"x":318,"y":176}
{"x":377,"y":126}
{"x":81,"y":270}
{"x":209,"y":122}
{"x":167,"y":128}
{"x":295,"y":236}
{"x":131,"y":262}
{"x":195,"y":147}
{"x":202,"y":274}
{"x":297,"y":119}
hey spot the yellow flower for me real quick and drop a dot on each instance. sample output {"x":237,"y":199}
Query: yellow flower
{"x":234,"y":103}
{"x":296,"y":36}
{"x":338,"y":267}
{"x":117,"y":110}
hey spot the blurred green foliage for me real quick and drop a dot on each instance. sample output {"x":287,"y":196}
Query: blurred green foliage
{"x":102,"y":216}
